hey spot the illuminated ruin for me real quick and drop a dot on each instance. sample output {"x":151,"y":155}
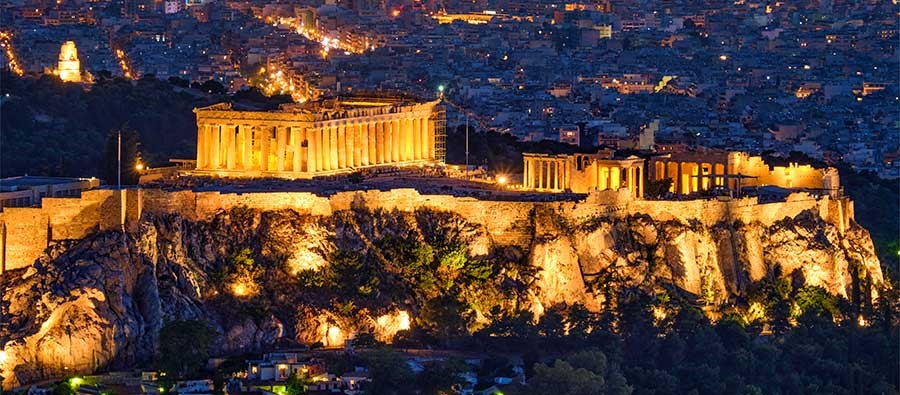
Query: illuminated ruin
{"x":321,"y":138}
{"x":704,"y":170}
{"x":69,"y":67}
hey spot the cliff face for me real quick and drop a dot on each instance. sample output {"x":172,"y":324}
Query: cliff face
{"x":256,"y":276}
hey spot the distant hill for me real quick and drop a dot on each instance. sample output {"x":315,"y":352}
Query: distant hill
{"x":59,"y":129}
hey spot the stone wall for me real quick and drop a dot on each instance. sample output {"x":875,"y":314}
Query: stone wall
{"x":26,"y":232}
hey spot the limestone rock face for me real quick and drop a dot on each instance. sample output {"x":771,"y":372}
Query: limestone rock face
{"x":100,"y":302}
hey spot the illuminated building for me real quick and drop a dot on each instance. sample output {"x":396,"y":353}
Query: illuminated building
{"x":695,"y":171}
{"x":69,"y":68}
{"x":570,"y":135}
{"x":582,"y":173}
{"x":318,"y":138}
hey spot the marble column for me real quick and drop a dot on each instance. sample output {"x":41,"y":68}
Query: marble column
{"x":413,"y":138}
{"x":525,"y":174}
{"x":379,"y":142}
{"x":395,"y":140}
{"x":332,"y":148}
{"x":318,"y":141}
{"x":387,"y":142}
{"x":429,"y":141}
{"x":357,"y":144}
{"x":540,"y":184}
{"x":640,"y":171}
{"x":311,"y":149}
{"x":297,"y":148}
{"x":554,"y":165}
{"x":353,"y":158}
{"x":403,"y":139}
{"x":200,"y":141}
{"x":239,"y":147}
{"x":410,"y":139}
{"x":265,"y":140}
{"x":214,"y":148}
{"x":417,"y":138}
{"x":228,"y":141}
{"x":341,"y":132}
{"x":246,"y":142}
{"x":531,"y":176}
{"x":370,"y":144}
{"x":280,"y":145}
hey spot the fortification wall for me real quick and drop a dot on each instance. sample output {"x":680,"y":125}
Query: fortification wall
{"x":28,"y":231}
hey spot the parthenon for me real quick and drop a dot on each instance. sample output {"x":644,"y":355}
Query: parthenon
{"x":582,"y":173}
{"x":321,"y":138}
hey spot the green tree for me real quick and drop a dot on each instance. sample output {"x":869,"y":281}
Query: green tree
{"x":296,"y":385}
{"x":564,"y":379}
{"x":444,"y":317}
{"x":389,"y":372}
{"x":184,"y":347}
{"x":439,"y":377}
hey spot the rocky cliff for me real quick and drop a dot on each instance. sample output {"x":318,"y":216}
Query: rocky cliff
{"x":259,"y":275}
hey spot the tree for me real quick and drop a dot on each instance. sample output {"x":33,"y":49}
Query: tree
{"x":179,"y":82}
{"x":131,"y":156}
{"x":184,"y":346}
{"x":585,"y":372}
{"x":365,"y":339}
{"x":564,"y":379}
{"x":213,"y":87}
{"x":389,"y":372}
{"x":444,"y":317}
{"x":440,"y":377}
{"x":296,"y":385}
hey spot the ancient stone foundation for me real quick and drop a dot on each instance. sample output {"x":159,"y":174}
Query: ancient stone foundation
{"x":26,"y":232}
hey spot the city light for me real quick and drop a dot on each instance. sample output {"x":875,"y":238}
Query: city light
{"x":344,"y":41}
{"x":723,"y":57}
{"x":123,"y":63}
{"x":6,"y":43}
{"x":274,"y":80}
{"x":502,"y":180}
{"x":139,"y":167}
{"x":239,"y":289}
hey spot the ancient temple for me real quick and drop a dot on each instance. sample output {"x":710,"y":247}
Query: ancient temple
{"x":320,"y":138}
{"x":583,"y":173}
{"x":69,"y":67}
{"x":706,"y":169}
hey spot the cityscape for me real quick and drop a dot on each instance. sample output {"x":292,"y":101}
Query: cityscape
{"x":486,"y":197}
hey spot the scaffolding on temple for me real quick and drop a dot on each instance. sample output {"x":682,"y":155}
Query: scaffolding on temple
{"x":439,"y":116}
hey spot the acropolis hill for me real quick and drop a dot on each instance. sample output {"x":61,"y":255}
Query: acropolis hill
{"x":88,"y":281}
